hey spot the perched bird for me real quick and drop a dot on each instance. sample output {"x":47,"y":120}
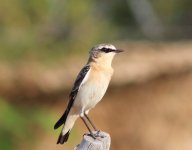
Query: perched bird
{"x":89,"y":88}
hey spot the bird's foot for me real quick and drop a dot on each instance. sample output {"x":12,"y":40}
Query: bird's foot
{"x":97,"y":134}
{"x":92,"y":135}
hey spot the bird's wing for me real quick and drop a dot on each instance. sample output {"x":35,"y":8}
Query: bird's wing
{"x":80,"y":79}
{"x":78,"y":82}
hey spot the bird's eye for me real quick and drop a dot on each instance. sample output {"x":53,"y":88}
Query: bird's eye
{"x":106,"y":50}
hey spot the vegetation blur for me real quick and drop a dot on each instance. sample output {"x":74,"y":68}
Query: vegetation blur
{"x":44,"y":44}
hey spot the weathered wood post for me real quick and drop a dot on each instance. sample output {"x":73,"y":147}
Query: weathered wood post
{"x":102,"y":142}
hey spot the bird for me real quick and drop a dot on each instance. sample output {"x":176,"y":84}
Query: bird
{"x":88,"y":89}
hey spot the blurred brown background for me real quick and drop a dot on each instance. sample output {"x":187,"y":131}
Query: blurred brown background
{"x":45,"y":43}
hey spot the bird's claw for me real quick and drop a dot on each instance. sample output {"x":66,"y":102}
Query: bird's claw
{"x":92,"y":135}
{"x":95,"y":135}
{"x":98,"y":131}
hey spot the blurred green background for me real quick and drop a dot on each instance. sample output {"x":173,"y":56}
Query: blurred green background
{"x":44,"y":43}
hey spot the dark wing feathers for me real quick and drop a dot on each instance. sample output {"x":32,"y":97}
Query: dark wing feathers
{"x":73,"y":95}
{"x":79,"y":80}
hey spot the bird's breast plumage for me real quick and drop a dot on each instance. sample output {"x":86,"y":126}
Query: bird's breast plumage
{"x":94,"y":88}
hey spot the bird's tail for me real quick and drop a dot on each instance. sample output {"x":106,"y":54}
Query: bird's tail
{"x":63,"y":138}
{"x":62,"y":120}
{"x":64,"y":135}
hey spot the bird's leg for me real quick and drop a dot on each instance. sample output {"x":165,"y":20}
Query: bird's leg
{"x":91,"y":133}
{"x":98,"y":131}
{"x":90,"y":122}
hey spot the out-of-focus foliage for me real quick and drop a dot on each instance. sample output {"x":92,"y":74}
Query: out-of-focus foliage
{"x":50,"y":29}
{"x":46,"y":29}
{"x":19,"y":125}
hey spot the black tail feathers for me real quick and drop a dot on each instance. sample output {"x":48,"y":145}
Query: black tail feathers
{"x":63,"y":138}
{"x":61,"y":120}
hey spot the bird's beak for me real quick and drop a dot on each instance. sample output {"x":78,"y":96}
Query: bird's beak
{"x":119,"y":51}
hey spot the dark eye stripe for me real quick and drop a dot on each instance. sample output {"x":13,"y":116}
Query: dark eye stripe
{"x":107,"y":50}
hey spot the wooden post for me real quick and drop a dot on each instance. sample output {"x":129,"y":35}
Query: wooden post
{"x":102,"y":142}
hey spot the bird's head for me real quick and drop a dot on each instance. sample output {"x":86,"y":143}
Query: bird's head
{"x":104,"y":52}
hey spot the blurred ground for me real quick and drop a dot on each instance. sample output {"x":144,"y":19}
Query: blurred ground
{"x":141,"y":61}
{"x":152,"y":116}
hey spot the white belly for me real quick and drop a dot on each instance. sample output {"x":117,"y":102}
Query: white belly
{"x":90,"y":94}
